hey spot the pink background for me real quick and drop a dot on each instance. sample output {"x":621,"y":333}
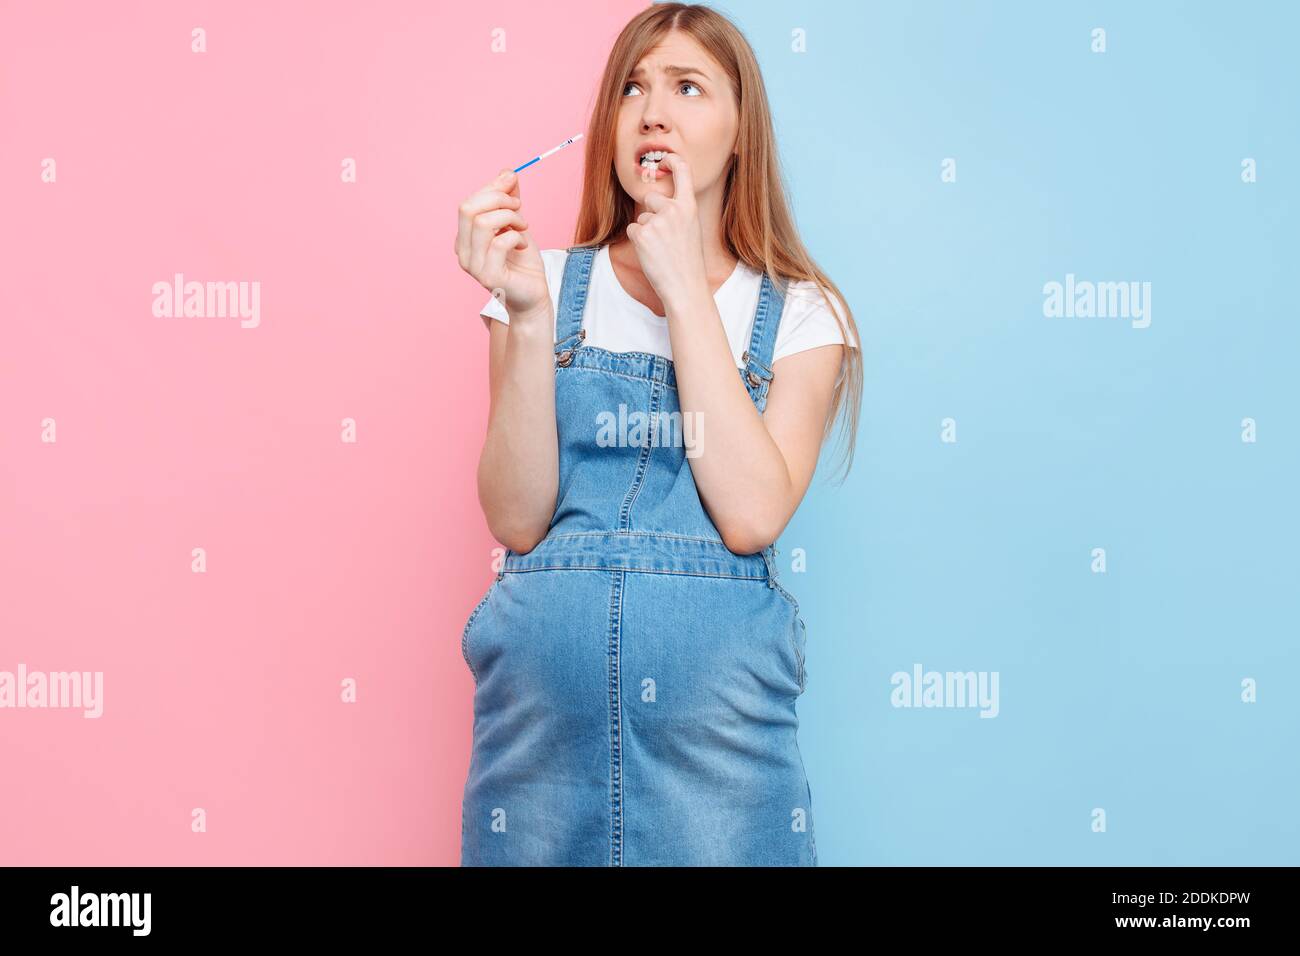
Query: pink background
{"x":325,"y":560}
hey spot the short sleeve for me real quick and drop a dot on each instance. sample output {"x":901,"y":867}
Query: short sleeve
{"x":808,"y":323}
{"x":493,"y":309}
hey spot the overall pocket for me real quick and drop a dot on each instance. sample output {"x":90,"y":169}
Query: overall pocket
{"x":469,"y":626}
{"x":797,"y":635}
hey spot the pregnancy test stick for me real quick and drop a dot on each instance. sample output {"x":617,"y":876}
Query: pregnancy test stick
{"x":537,"y":159}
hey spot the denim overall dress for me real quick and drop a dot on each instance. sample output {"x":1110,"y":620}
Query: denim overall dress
{"x":635,"y":679}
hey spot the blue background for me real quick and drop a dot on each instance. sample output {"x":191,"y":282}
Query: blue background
{"x":1119,"y":690}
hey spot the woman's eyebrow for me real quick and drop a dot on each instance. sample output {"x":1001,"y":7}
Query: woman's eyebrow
{"x":676,"y":70}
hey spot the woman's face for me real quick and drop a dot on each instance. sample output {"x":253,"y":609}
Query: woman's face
{"x":677,"y":98}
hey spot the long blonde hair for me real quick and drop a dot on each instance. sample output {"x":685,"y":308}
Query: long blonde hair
{"x":757,"y":226}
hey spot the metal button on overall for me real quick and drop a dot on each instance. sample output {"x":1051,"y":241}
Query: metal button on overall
{"x":635,"y":679}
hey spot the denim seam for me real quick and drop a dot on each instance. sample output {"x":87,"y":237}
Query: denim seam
{"x":584,"y":347}
{"x":642,"y":463}
{"x":634,"y":352}
{"x":812,"y":824}
{"x":786,"y":594}
{"x":650,"y":534}
{"x":757,"y":393}
{"x":615,"y":722}
{"x":464,"y":637}
{"x":631,"y":378}
{"x":798,"y":657}
{"x":604,"y":567}
{"x":577,"y":267}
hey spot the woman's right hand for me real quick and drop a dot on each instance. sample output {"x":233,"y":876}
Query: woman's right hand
{"x":494,"y":246}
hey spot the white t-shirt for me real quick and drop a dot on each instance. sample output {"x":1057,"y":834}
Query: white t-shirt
{"x":617,"y":322}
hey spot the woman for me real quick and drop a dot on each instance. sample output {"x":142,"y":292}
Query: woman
{"x":636,"y":660}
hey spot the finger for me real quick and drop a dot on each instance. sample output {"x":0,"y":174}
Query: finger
{"x":656,"y":201}
{"x":486,"y":226}
{"x":494,"y":261}
{"x":481,"y":202}
{"x":508,"y":180}
{"x":491,"y":196}
{"x":683,"y":185}
{"x":645,"y":217}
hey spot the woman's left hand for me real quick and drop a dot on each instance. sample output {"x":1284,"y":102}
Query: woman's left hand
{"x":668,"y":240}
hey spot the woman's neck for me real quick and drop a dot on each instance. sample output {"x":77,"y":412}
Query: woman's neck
{"x":719,"y":264}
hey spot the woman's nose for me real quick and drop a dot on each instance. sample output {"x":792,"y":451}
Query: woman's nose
{"x":654,"y":113}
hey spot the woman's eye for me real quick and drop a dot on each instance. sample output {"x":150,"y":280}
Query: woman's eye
{"x":700,"y":92}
